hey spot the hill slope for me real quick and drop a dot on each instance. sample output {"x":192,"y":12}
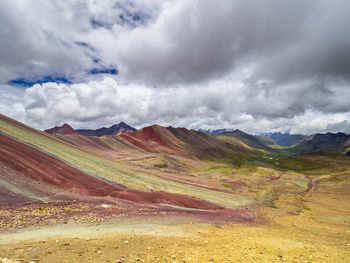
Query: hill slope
{"x":182,"y":141}
{"x":109,"y":170}
{"x":104,"y":145}
{"x":333,"y":142}
{"x":266,"y":140}
{"x":247,"y":139}
{"x":282,"y":139}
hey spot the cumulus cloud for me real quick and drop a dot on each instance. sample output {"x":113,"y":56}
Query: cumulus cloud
{"x":40,"y":38}
{"x":99,"y":103}
{"x":255,"y":65}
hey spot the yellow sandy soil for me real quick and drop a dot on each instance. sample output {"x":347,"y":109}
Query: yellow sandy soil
{"x":310,"y":227}
{"x":294,"y":234}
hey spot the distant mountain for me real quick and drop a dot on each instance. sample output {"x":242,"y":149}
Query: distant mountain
{"x":246,"y":138}
{"x":182,"y":141}
{"x":295,"y":143}
{"x":291,"y":140}
{"x":333,"y":142}
{"x":64,"y":129}
{"x":266,"y":140}
{"x":216,"y":132}
{"x":276,"y":136}
{"x":114,"y":129}
{"x":282,"y":139}
{"x":241,"y":136}
{"x":221,"y":131}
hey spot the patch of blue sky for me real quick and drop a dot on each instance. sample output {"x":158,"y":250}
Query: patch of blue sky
{"x":23,"y":82}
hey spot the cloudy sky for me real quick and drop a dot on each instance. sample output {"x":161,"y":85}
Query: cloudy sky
{"x":259,"y":66}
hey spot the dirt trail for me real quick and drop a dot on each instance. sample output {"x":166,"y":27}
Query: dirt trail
{"x":170,"y":227}
{"x":311,"y":183}
{"x":178,"y":241}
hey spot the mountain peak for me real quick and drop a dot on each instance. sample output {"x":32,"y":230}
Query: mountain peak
{"x":114,"y":129}
{"x":64,"y":129}
{"x":66,"y":126}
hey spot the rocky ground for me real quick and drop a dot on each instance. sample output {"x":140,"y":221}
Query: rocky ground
{"x":295,"y":230}
{"x":313,"y":226}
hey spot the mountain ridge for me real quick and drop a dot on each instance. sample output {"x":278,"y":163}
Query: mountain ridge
{"x":64,"y":129}
{"x":114,"y":129}
{"x":282,"y":139}
{"x":170,"y":140}
{"x":332,"y":142}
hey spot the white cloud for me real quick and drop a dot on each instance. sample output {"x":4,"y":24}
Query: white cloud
{"x":219,"y":103}
{"x":255,"y":65}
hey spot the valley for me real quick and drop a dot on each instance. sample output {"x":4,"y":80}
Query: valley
{"x":164,"y":194}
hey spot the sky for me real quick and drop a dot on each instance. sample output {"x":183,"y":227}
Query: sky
{"x":259,"y":66}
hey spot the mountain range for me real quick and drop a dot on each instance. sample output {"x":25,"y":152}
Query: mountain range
{"x":154,"y":165}
{"x":281,"y":139}
{"x":114,"y":129}
{"x":121,"y":127}
{"x":290,"y":143}
{"x":202,"y":143}
{"x":330,"y":142}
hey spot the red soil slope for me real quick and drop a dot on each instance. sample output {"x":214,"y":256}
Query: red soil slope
{"x":181,"y":141}
{"x":48,"y":172}
{"x":155,"y":139}
{"x":93,"y":144}
{"x":81,"y":141}
{"x":107,"y":146}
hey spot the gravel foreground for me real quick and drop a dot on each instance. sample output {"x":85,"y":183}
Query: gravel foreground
{"x":289,"y":236}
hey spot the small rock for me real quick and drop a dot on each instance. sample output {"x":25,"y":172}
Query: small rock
{"x":126,"y":242}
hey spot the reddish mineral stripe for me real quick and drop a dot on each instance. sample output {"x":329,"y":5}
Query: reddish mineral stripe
{"x":45,"y":168}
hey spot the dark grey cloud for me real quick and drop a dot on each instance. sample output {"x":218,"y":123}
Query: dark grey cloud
{"x":255,"y":65}
{"x":45,"y":38}
{"x":283,"y":41}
